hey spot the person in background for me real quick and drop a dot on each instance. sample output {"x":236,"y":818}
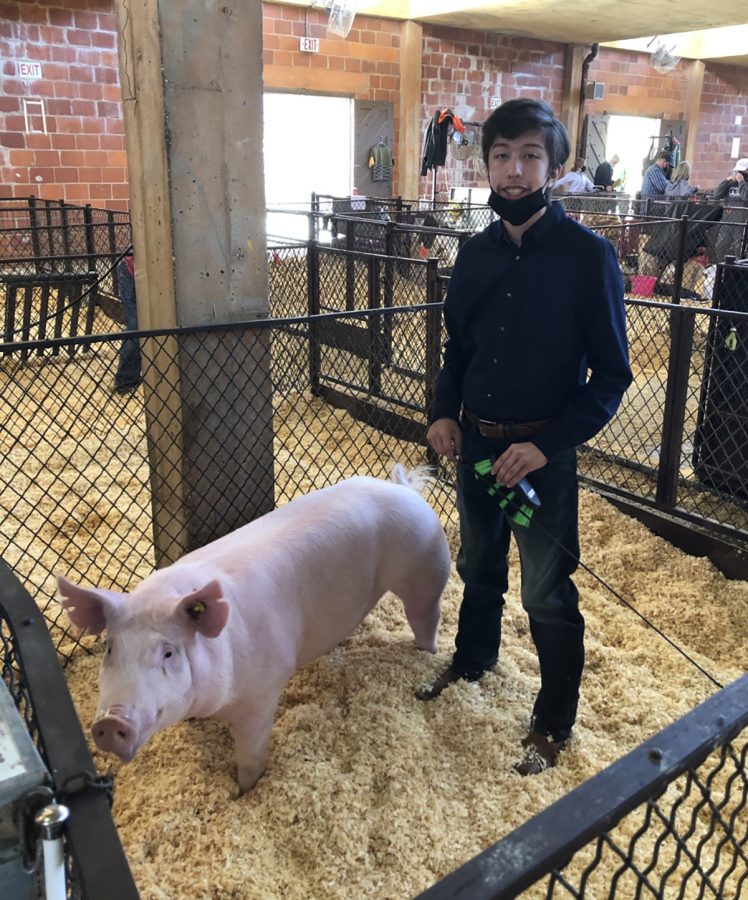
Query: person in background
{"x":128,"y":370}
{"x":736,"y":180}
{"x":576,"y":181}
{"x":619,"y":176}
{"x":535,"y":363}
{"x":679,"y":185}
{"x":604,"y":173}
{"x":655,"y":181}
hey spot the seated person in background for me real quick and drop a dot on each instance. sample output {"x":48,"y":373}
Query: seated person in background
{"x":737,"y":180}
{"x":576,"y":181}
{"x":655,"y":181}
{"x":680,"y":185}
{"x":604,"y":173}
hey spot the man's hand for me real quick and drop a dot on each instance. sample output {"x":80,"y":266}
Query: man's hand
{"x":517,"y":461}
{"x":445,"y":437}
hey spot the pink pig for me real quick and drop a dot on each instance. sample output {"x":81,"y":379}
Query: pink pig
{"x":219,"y":633}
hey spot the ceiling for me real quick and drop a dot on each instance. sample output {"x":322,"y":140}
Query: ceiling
{"x":695,"y":28}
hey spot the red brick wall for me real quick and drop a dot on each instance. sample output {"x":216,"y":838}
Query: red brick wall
{"x":365,"y":65}
{"x":725,"y":95}
{"x":465,"y":69}
{"x":81,"y":158}
{"x":632,"y":87}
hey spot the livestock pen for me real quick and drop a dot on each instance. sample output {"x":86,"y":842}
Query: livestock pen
{"x":368,"y":793}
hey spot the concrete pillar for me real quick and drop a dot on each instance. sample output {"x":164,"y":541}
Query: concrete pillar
{"x":191,"y":77}
{"x":410,"y":138}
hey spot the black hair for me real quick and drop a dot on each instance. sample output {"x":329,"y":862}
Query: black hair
{"x":516,"y":117}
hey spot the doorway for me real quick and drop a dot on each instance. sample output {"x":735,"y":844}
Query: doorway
{"x":631,"y":138}
{"x":307,"y":146}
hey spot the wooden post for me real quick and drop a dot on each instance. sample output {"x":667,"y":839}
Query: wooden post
{"x":191,"y":77}
{"x":572,"y":85}
{"x":408,"y":154}
{"x":693,"y":106}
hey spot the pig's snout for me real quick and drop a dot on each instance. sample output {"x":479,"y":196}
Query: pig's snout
{"x":115,"y":733}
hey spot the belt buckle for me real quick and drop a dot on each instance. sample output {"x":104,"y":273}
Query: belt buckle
{"x":485,"y":423}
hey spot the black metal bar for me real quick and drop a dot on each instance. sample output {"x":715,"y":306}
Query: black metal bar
{"x":89,"y":232}
{"x":64,"y":217}
{"x":313,"y":297}
{"x":679,"y":368}
{"x":548,"y":840}
{"x":100,"y":863}
{"x":43,"y":313}
{"x":375,"y":328}
{"x":388,"y":294}
{"x":10,"y":316}
{"x":36,"y":245}
{"x":433,"y":345}
{"x":28,"y":302}
{"x":350,"y":273}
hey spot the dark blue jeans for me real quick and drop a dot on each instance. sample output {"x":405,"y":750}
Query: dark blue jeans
{"x":128,"y":369}
{"x":548,"y":594}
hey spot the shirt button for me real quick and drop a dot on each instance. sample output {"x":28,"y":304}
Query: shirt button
{"x":508,"y":294}
{"x":516,"y":258}
{"x":488,"y":395}
{"x":501,"y":328}
{"x":496,"y":360}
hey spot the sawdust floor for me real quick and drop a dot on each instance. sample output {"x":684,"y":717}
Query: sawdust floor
{"x":370,"y":793}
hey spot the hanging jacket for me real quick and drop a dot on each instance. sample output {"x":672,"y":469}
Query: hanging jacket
{"x":434,"y":153}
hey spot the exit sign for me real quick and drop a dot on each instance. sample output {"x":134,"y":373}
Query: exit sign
{"x":309,"y":45}
{"x":29,"y":71}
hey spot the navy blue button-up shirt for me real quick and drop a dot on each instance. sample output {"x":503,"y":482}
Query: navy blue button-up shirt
{"x":536,"y":332}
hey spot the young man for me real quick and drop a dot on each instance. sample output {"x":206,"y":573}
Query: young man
{"x":534,"y":302}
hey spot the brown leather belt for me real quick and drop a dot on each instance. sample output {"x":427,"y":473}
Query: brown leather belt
{"x":511,"y":431}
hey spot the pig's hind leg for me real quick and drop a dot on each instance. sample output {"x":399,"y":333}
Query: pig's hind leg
{"x":421,"y":596}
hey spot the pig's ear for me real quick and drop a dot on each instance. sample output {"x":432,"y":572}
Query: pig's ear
{"x":206,"y":610}
{"x":87,"y":608}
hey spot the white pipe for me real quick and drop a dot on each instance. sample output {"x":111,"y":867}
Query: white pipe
{"x":51,"y":820}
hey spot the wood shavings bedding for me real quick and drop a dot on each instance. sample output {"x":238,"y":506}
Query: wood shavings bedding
{"x":370,"y":793}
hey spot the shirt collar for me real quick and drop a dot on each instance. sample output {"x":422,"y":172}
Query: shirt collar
{"x":539,"y":232}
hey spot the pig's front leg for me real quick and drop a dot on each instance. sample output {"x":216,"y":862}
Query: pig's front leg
{"x":251,"y":738}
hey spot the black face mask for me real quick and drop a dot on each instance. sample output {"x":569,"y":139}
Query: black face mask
{"x":517,"y":212}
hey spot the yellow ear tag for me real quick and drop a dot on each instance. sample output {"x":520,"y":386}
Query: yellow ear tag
{"x":197,"y":607}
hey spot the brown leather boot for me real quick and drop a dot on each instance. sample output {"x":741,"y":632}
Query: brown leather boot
{"x":541,"y":753}
{"x":432,"y":691}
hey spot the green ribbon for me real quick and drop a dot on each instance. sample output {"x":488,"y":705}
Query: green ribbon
{"x":522,"y":512}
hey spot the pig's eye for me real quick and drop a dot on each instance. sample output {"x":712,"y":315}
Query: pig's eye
{"x":168,"y":654}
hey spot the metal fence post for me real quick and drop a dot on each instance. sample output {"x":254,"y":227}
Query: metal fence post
{"x":744,"y":242}
{"x":679,"y":367}
{"x":33,"y":224}
{"x":64,"y":220}
{"x":112,"y":250}
{"x":350,"y":274}
{"x":90,"y":243}
{"x":375,"y":326}
{"x":433,"y":347}
{"x":680,"y":259}
{"x":312,"y":264}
